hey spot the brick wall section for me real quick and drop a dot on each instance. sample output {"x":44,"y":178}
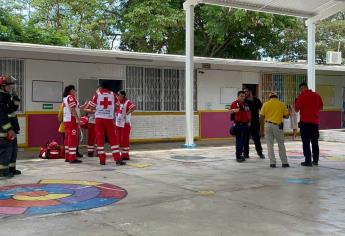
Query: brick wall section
{"x":161,"y":126}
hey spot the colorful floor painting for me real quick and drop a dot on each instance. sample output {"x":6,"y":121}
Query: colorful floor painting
{"x":56,"y":196}
{"x":329,"y":151}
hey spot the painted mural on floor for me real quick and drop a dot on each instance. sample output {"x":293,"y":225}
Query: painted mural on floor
{"x":57,"y":196}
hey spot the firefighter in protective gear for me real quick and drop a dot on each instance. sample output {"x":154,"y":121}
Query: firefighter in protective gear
{"x":7,"y":130}
{"x":105,"y":102}
{"x":71,"y":115}
{"x":91,"y":130}
{"x":123,"y":123}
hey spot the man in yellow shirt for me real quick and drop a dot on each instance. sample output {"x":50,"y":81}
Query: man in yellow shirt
{"x":271,"y":117}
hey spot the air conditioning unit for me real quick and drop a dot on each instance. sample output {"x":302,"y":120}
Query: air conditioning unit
{"x":333,"y":58}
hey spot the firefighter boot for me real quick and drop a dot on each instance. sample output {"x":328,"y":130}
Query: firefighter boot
{"x":6,"y":173}
{"x":14,"y":171}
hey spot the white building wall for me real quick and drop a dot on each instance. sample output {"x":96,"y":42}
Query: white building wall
{"x":211,"y":83}
{"x":338,"y":82}
{"x":150,"y":126}
{"x":68,"y":72}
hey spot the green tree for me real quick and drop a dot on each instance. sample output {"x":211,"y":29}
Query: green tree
{"x":152,"y":26}
{"x":159,"y":26}
{"x":330,"y":36}
{"x":11,"y":28}
{"x":86,"y":24}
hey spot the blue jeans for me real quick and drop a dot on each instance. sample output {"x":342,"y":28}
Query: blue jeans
{"x":242,"y":133}
{"x":310,"y":134}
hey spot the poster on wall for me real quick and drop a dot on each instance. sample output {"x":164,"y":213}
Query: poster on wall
{"x":47,"y":91}
{"x":228,"y":95}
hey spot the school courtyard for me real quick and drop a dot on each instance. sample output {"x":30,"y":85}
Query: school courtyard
{"x":167,"y":190}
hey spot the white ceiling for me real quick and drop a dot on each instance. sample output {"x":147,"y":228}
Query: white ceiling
{"x":315,"y":9}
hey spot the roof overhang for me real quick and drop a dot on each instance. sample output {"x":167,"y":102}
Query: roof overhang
{"x":68,"y":54}
{"x":312,"y":10}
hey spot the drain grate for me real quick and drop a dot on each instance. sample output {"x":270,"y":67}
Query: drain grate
{"x":187,"y":158}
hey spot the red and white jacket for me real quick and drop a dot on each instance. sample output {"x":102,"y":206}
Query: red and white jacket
{"x":104,"y":101}
{"x":69,"y":103}
{"x":121,"y":113}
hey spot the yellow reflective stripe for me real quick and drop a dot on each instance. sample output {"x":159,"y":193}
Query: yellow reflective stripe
{"x":17,"y":103}
{"x":12,"y":165}
{"x":7,"y":126}
{"x":3,"y":167}
{"x":12,"y":115}
{"x":3,"y":135}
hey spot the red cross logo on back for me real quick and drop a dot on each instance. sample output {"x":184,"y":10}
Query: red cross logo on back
{"x":105,"y":103}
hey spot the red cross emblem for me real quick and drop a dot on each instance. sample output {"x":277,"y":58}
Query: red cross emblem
{"x":105,"y":103}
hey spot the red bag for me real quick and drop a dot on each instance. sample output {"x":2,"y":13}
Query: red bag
{"x":84,"y":122}
{"x":51,"y":150}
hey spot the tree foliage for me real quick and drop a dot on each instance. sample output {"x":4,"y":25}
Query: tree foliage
{"x":158,"y":26}
{"x":85,"y":24}
{"x":330,"y":36}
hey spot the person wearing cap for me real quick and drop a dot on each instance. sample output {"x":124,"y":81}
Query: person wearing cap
{"x":255,"y":105}
{"x":240,"y":112}
{"x":271,"y":118}
{"x":7,"y":130}
{"x":309,"y":104}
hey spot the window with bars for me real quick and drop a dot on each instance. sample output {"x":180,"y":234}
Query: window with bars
{"x":157,"y":89}
{"x":285,"y":84}
{"x":15,"y":68}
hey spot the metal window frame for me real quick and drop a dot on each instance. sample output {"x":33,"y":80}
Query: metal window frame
{"x":16,"y":67}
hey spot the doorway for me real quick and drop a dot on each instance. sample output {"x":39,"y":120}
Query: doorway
{"x":253,"y":87}
{"x":87,"y":87}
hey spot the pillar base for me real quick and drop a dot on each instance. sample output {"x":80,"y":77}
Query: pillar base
{"x":189,"y":146}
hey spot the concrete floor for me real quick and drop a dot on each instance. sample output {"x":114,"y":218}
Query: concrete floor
{"x":211,"y":196}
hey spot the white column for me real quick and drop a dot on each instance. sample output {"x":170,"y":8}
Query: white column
{"x":311,"y":55}
{"x":189,"y":8}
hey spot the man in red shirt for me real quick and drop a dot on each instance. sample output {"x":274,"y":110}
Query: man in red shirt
{"x":241,"y":113}
{"x":309,"y":104}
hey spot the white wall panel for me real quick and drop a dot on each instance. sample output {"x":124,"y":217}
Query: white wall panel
{"x":211,"y":82}
{"x":68,"y":72}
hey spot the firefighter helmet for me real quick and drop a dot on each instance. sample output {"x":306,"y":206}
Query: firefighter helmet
{"x":6,"y":80}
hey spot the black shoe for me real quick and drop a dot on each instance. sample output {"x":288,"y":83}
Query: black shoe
{"x":315,"y":163}
{"x":7,"y":174}
{"x":246,"y":156}
{"x":306,"y":164}
{"x":240,"y":159}
{"x":285,"y":165}
{"x":273,"y":165}
{"x":14,"y":171}
{"x":120,"y":163}
{"x":90,"y":154}
{"x":76,"y":161}
{"x":262,"y":156}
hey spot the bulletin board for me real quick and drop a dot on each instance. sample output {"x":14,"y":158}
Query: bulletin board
{"x":47,"y":91}
{"x":228,"y":95}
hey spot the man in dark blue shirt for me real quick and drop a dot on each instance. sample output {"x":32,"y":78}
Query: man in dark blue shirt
{"x":254,"y":129}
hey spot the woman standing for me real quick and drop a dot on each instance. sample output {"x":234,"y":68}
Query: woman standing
{"x":71,"y":115}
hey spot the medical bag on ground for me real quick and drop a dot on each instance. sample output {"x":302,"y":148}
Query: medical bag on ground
{"x":51,"y":150}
